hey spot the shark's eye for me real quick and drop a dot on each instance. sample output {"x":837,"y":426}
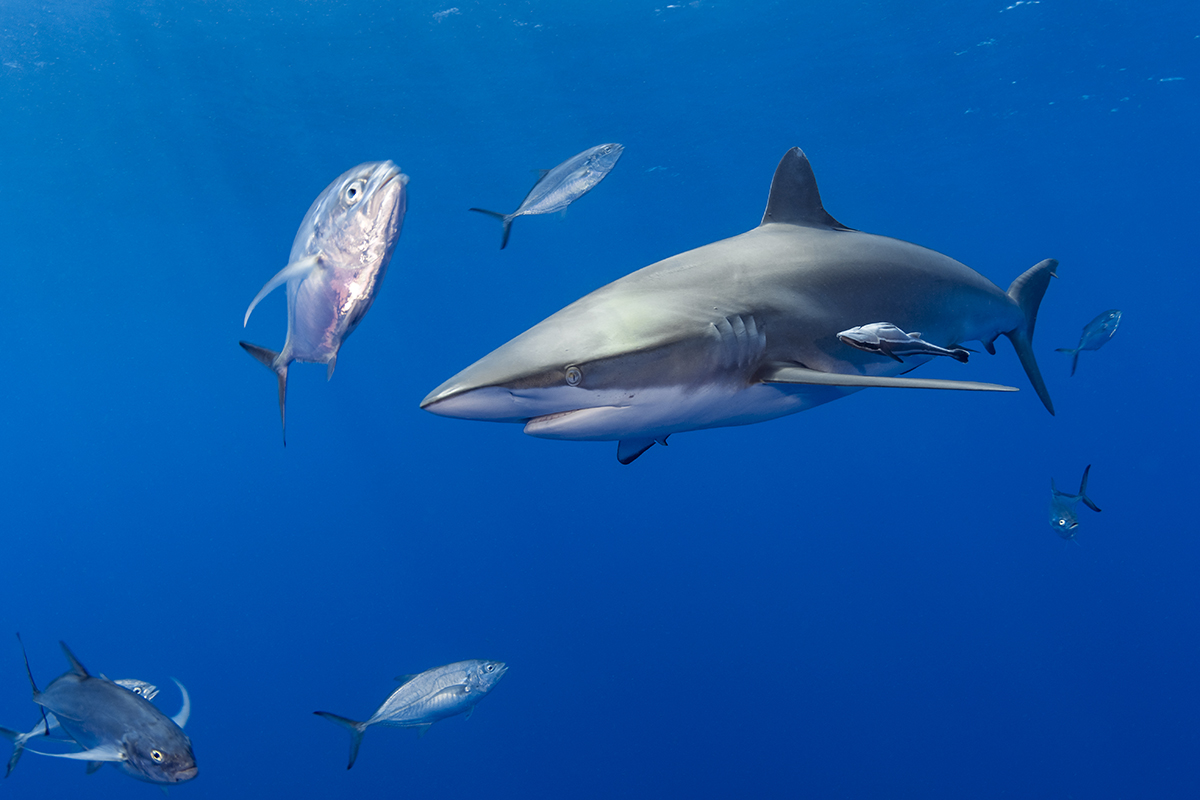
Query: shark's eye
{"x":157,"y":756}
{"x":574,"y":376}
{"x":353,"y":193}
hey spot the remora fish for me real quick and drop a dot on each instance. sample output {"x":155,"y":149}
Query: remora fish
{"x":426,"y":698}
{"x":112,"y":723}
{"x":1094,"y":335}
{"x":338,"y":261}
{"x":50,"y":722}
{"x":1062,"y":507}
{"x":741,"y":331}
{"x":559,"y":187}
{"x":886,"y":339}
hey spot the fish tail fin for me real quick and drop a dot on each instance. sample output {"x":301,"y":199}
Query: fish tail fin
{"x":505,"y":219}
{"x":357,"y":729}
{"x":1027,"y":291}
{"x":18,"y":740}
{"x":1074,"y":351}
{"x":1083,"y":490}
{"x":269,"y":359}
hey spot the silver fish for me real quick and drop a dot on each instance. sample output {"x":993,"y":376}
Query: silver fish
{"x":886,"y":339}
{"x":559,"y":187}
{"x":425,"y":698}
{"x":740,"y":331}
{"x":1063,"y":518}
{"x":113,"y":724}
{"x":50,"y":722}
{"x":1094,"y":335}
{"x":337,"y":264}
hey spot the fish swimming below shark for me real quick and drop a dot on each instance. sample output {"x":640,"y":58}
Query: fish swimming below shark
{"x":559,"y":187}
{"x":741,"y":331}
{"x":1095,"y":335}
{"x":426,"y":698}
{"x":1063,"y":517}
{"x":113,"y":724}
{"x":338,"y":261}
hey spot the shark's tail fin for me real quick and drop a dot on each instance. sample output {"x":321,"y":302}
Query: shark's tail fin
{"x":357,"y":729}
{"x":268,"y":359}
{"x":505,"y":219}
{"x":1083,"y":490}
{"x":1074,"y":351}
{"x":1026,"y":291}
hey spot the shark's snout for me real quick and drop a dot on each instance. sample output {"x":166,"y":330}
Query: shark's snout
{"x":486,"y":403}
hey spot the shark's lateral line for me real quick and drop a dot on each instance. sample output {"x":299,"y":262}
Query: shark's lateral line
{"x":742,"y":330}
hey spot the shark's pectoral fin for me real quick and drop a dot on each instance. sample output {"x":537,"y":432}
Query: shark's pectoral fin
{"x":297,"y":269}
{"x":181,"y":718}
{"x":105,"y":752}
{"x":802,"y":375}
{"x":629,"y":449}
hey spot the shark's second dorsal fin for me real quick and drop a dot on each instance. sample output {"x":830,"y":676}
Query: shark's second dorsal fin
{"x":794,"y":198}
{"x":76,"y":667}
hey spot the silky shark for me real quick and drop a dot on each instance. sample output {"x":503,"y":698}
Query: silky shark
{"x":742,"y":330}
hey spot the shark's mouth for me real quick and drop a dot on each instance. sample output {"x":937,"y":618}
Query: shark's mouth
{"x":593,"y":422}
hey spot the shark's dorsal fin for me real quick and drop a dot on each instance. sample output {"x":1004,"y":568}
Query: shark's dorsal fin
{"x":794,"y":198}
{"x":76,"y":667}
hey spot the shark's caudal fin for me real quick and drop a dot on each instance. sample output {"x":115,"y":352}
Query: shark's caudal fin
{"x":268,"y":358}
{"x":1083,"y":490}
{"x":794,"y":199}
{"x":357,"y":729}
{"x":505,"y":220}
{"x":1026,"y":291}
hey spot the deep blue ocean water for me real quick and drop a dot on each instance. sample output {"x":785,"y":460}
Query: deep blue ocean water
{"x":864,"y":600}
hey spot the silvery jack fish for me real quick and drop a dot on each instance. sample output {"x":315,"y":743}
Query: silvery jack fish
{"x":886,"y":339}
{"x":740,"y":331}
{"x":1094,"y":335}
{"x":1063,"y":518}
{"x":426,"y":698}
{"x":50,"y":722}
{"x":113,"y":724}
{"x":559,"y":187}
{"x":336,"y":267}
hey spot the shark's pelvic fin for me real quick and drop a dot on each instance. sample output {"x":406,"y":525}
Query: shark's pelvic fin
{"x":1027,"y":291}
{"x":629,"y":449}
{"x":298,"y":269}
{"x":802,"y":375}
{"x":269,"y":359}
{"x":794,"y":198}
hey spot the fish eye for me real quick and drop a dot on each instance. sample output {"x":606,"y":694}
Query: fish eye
{"x":1062,"y":522}
{"x":574,"y":376}
{"x":353,"y":193}
{"x":157,"y":756}
{"x":491,"y":667}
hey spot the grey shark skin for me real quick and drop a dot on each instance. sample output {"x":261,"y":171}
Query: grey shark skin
{"x":886,"y":339}
{"x":1095,"y":335}
{"x":339,"y":258}
{"x":425,"y":698}
{"x":1063,"y":517}
{"x":741,"y":331}
{"x":113,"y":724}
{"x":559,"y":187}
{"x":50,"y":722}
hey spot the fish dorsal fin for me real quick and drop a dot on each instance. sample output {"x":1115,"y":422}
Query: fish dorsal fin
{"x":403,"y":679}
{"x":794,"y":198}
{"x":185,"y":711}
{"x":76,"y":667}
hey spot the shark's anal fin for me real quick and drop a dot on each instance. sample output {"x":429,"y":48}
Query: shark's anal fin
{"x":802,"y":375}
{"x":297,"y":269}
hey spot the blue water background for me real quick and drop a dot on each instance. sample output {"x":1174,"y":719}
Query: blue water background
{"x":860,"y":601}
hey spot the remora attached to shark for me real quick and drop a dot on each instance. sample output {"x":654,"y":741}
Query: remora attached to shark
{"x":742,"y":330}
{"x":339,"y":258}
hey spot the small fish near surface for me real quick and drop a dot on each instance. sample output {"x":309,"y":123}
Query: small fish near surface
{"x":888,"y":340}
{"x":339,"y":258}
{"x":50,"y":722}
{"x":112,"y":723}
{"x":742,"y":330}
{"x":1063,"y":518}
{"x":559,"y":187}
{"x":1094,"y":335}
{"x":425,"y":698}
